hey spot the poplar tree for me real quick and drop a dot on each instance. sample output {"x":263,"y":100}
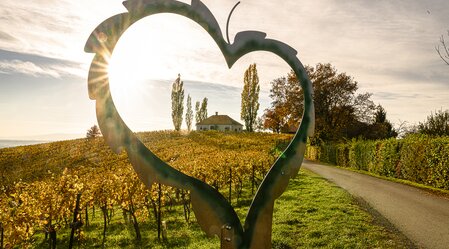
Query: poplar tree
{"x":177,"y":102}
{"x":250,"y":97}
{"x":189,"y":113}
{"x":203,"y":110}
{"x":197,"y":112}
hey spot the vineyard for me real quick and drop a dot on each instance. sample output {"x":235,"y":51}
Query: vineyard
{"x":79,"y":194}
{"x":40,"y":183}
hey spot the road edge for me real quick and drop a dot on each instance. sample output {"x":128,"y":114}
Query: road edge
{"x":377,"y":218}
{"x":431,"y":190}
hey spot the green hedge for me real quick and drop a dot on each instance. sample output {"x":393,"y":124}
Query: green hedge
{"x":417,"y":158}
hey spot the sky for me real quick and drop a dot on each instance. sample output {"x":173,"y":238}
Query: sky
{"x":388,"y":47}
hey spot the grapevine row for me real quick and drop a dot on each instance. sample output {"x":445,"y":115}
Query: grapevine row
{"x":45,"y":202}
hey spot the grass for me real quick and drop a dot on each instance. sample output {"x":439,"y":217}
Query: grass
{"x":312,"y":213}
{"x":326,"y":216}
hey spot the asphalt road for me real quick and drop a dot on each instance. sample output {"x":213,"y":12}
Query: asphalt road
{"x":419,"y":215}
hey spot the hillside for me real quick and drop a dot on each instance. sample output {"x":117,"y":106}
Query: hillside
{"x":34,"y":162}
{"x":117,"y":211}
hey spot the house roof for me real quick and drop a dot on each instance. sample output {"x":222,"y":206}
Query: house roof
{"x":219,"y":120}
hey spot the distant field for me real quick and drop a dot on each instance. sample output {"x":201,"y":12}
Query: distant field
{"x":311,"y":213}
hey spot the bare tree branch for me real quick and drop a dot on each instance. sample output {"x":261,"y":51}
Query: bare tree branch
{"x":443,"y":49}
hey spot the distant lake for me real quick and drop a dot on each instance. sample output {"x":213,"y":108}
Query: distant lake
{"x":15,"y":143}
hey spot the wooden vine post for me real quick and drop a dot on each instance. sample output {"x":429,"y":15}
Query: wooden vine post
{"x":76,"y":224}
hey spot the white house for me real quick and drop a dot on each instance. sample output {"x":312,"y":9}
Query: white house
{"x":219,"y":123}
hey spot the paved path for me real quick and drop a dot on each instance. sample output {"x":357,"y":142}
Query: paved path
{"x":422,"y":217}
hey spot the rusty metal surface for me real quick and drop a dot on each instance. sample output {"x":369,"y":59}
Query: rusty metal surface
{"x":213,"y":212}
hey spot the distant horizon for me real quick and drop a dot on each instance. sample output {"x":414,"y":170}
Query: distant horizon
{"x":45,"y":137}
{"x":16,"y":143}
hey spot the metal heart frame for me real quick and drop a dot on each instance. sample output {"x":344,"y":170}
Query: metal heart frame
{"x":212,"y":211}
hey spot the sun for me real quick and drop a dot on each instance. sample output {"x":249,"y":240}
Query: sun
{"x":135,"y":60}
{"x":129,"y":65}
{"x":156,"y":48}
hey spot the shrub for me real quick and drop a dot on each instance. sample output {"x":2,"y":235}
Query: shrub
{"x":418,"y":158}
{"x":342,"y":154}
{"x":437,"y":160}
{"x":312,"y":152}
{"x":413,"y":164}
{"x":328,"y":153}
{"x":388,"y":157}
{"x":361,"y":154}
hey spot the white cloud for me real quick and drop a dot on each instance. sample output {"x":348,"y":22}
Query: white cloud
{"x":30,"y":68}
{"x":55,"y":29}
{"x":26,"y":67}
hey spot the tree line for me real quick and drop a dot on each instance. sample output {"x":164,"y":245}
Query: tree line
{"x":340,"y":112}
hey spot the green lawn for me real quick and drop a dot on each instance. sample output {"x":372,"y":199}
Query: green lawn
{"x":311,"y":213}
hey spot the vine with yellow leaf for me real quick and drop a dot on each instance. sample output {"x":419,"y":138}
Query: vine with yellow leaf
{"x":44,"y":202}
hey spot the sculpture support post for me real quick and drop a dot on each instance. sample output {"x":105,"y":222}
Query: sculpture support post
{"x":226,"y":237}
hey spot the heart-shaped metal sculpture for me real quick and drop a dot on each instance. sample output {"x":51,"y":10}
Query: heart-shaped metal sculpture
{"x":212,"y":210}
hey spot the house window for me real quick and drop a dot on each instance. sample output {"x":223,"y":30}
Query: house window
{"x":226,"y":128}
